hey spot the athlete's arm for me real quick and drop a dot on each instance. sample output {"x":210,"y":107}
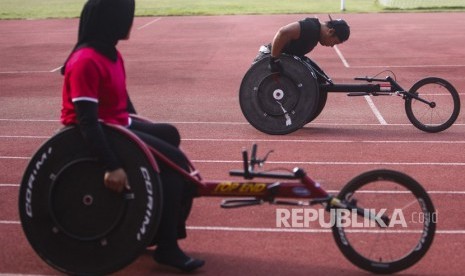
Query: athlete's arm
{"x":284,"y":36}
{"x":87,"y":116}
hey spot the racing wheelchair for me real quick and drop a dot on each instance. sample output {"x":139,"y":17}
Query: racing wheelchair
{"x":79,"y":227}
{"x":283,"y":103}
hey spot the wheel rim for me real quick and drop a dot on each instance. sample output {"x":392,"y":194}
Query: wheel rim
{"x":407,"y":235}
{"x":443,"y":107}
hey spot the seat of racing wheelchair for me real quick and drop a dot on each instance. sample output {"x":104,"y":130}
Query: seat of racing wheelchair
{"x":72,"y":221}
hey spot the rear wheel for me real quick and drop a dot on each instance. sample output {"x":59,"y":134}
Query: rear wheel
{"x":389,"y":224}
{"x":323,"y":97}
{"x":279,"y":104}
{"x":72,"y":221}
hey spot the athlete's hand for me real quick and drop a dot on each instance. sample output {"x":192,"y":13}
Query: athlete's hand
{"x":116,"y":180}
{"x":275,"y":65}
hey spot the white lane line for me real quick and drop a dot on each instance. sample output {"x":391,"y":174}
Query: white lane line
{"x":59,"y":68}
{"x":324,"y":141}
{"x":23,"y":72}
{"x":314,"y":141}
{"x":408,"y":66}
{"x":280,"y":230}
{"x":447,"y":192}
{"x":375,"y":110}
{"x":172,"y":122}
{"x":339,"y":163}
{"x":56,"y":69}
{"x":222,"y":122}
{"x":28,"y":120}
{"x":15,"y":157}
{"x":328,"y":163}
{"x":10,"y":185}
{"x":149,"y":23}
{"x":339,"y":53}
{"x":23,"y":137}
{"x":20,"y":274}
{"x":9,"y":222}
{"x":371,"y":104}
{"x":344,"y":61}
{"x":6,"y":185}
{"x":306,"y":230}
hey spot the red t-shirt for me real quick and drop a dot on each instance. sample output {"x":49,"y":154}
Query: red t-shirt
{"x":90,"y":76}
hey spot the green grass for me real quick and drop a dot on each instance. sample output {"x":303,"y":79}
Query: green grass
{"x":22,"y":9}
{"x":215,"y":7}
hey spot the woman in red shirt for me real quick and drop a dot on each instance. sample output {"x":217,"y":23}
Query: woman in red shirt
{"x":94,"y":90}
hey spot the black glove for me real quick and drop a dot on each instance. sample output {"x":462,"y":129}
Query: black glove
{"x":275,"y":65}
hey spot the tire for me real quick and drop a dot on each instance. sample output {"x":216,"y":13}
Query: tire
{"x":407,"y":235}
{"x":279,"y":105}
{"x":446,"y":105}
{"x":72,"y":221}
{"x":321,"y":105}
{"x":322,"y":78}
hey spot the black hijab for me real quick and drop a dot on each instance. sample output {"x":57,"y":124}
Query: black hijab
{"x":102,"y":24}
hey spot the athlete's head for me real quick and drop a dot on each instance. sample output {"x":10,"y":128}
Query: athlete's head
{"x":106,"y":20}
{"x":334,"y":32}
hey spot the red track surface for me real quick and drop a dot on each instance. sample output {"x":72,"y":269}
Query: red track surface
{"x":187,"y":70}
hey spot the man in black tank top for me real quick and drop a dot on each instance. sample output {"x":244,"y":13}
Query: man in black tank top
{"x":299,"y":38}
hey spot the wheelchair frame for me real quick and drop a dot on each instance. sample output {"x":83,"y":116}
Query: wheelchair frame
{"x":52,"y":232}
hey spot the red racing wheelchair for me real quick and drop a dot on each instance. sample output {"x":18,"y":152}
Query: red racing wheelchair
{"x":79,"y":227}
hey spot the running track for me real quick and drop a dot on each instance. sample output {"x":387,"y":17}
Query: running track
{"x":187,"y":71}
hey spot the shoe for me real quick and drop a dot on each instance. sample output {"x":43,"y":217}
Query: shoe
{"x":187,"y":264}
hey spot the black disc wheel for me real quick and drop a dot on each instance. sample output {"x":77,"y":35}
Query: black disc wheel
{"x":323,"y":97}
{"x":72,"y":221}
{"x":279,"y":103}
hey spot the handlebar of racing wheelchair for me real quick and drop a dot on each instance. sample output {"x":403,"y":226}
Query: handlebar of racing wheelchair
{"x":249,"y":166}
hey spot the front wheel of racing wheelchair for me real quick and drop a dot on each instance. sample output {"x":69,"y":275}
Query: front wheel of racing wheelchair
{"x":391,"y":225}
{"x":72,"y":221}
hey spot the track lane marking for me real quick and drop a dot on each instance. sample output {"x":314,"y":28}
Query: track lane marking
{"x":317,"y":141}
{"x":299,"y":230}
{"x":344,"y":61}
{"x":375,"y":110}
{"x":28,"y":120}
{"x":341,"y":56}
{"x":279,"y":230}
{"x":24,"y":72}
{"x":59,"y":67}
{"x":149,"y":23}
{"x":9,"y":185}
{"x":370,"y":102}
{"x":221,"y":122}
{"x":407,"y":66}
{"x":6,"y":185}
{"x":329,"y":163}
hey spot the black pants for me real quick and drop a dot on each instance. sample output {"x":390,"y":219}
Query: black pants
{"x":177,"y":192}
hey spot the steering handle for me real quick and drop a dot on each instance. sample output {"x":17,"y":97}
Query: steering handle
{"x":370,"y":79}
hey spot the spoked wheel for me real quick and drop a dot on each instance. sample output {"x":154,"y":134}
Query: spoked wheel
{"x":279,"y":104}
{"x":441,"y":108}
{"x":389,"y":225}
